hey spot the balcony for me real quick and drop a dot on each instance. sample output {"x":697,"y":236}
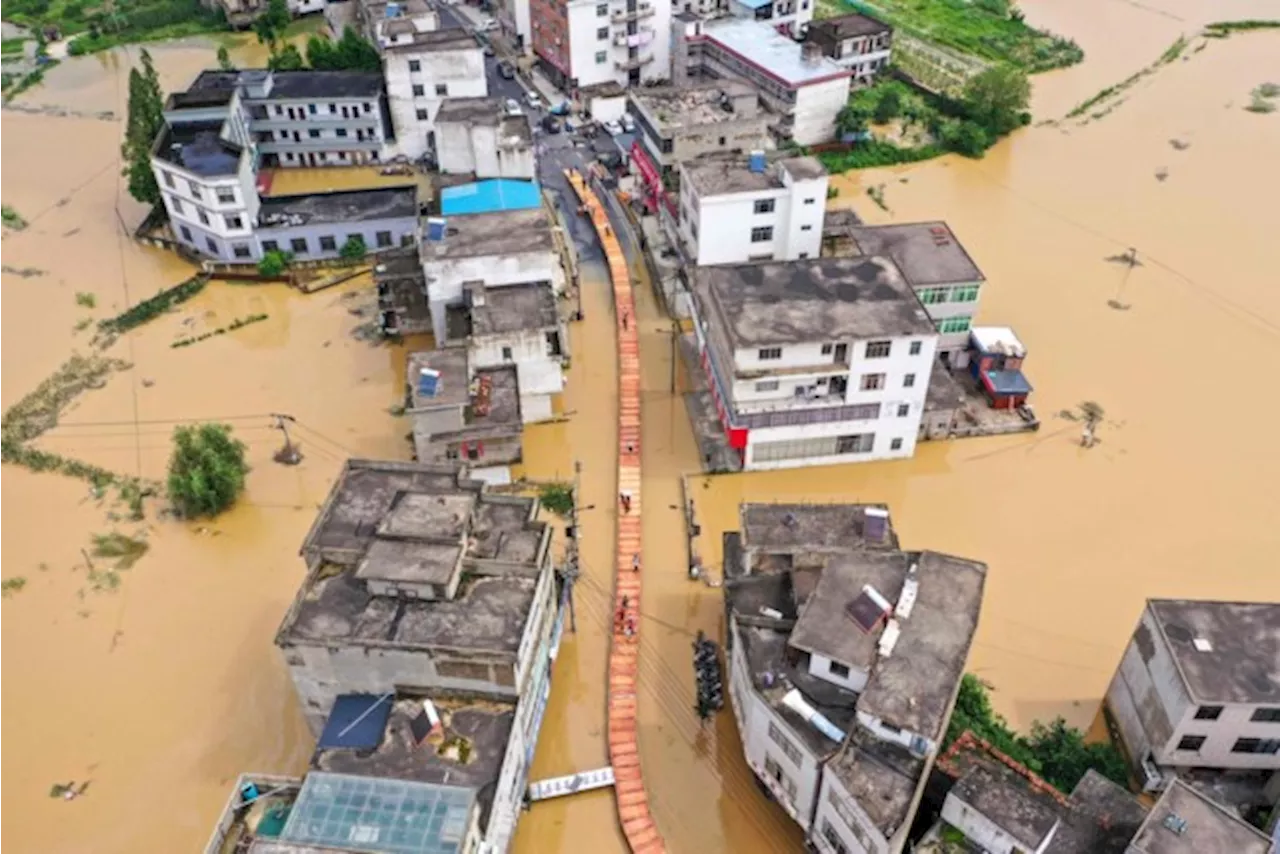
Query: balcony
{"x":641,"y":37}
{"x":626,"y":15}
{"x":633,"y":62}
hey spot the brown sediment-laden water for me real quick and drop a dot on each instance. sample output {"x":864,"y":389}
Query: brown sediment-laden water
{"x":164,"y":689}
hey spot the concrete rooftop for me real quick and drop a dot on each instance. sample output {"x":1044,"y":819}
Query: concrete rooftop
{"x":777,"y":55}
{"x":1242,"y":663}
{"x":515,"y":308}
{"x":1102,"y":819}
{"x":339,"y":207}
{"x":512,"y":232}
{"x":199,"y":148}
{"x":1026,"y":812}
{"x":820,"y":300}
{"x":1209,"y":827}
{"x":825,"y":629}
{"x":848,"y":26}
{"x":927,"y":253}
{"x":720,"y":174}
{"x":807,"y":527}
{"x":677,"y":108}
{"x":881,"y":777}
{"x":453,"y":385}
{"x":472,"y":111}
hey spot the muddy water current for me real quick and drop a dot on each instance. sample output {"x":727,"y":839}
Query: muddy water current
{"x":162,"y":690}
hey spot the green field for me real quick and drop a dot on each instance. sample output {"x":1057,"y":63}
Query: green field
{"x":128,"y":21}
{"x":989,"y":29}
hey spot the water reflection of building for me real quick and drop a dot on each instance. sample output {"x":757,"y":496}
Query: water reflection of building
{"x":845,"y":658}
{"x":420,"y":645}
{"x":813,"y":362}
{"x":1197,"y":695}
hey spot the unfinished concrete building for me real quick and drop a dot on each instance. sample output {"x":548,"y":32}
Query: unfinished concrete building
{"x":845,"y":657}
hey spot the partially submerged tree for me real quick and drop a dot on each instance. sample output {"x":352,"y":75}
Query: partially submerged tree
{"x":354,"y":249}
{"x":206,"y":471}
{"x":271,"y":24}
{"x":349,"y":53}
{"x":224,"y":59}
{"x":288,"y":58}
{"x":997,"y":99}
{"x":145,"y":120}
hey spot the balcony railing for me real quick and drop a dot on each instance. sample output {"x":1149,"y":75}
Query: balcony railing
{"x":623,"y":15}
{"x":642,"y":35}
{"x":633,"y":62}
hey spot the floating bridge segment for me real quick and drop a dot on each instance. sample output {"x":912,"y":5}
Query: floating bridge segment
{"x":624,"y":649}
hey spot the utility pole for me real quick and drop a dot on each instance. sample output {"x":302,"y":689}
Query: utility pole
{"x":289,"y":455}
{"x":571,"y":570}
{"x":675,"y":346}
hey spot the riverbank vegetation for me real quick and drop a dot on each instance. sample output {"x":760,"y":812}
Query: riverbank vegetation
{"x":558,"y":498}
{"x":1263,"y":98}
{"x":238,"y":323}
{"x":1055,"y":751}
{"x":12,"y":219}
{"x":98,"y":26}
{"x":154,"y":306}
{"x":991,"y":29}
{"x":145,"y":119}
{"x":1171,"y":53}
{"x":206,"y":471}
{"x":899,"y":123}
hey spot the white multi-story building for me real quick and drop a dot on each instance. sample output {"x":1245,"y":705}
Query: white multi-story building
{"x":735,"y":209}
{"x":805,"y":88}
{"x":477,"y":136}
{"x":586,"y":43}
{"x":814,"y":362}
{"x":857,"y":42}
{"x":424,"y":68}
{"x":1197,"y":688}
{"x":845,"y":658}
{"x":791,"y":17}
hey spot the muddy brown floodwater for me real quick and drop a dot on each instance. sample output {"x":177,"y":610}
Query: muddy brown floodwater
{"x":164,"y":690}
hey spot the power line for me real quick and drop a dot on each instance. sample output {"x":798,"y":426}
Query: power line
{"x":264,"y":416}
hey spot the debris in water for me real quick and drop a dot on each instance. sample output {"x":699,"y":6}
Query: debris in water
{"x":1179,"y":144}
{"x":1119,"y":306}
{"x":1130,"y":258}
{"x":148,"y":383}
{"x":68,"y":791}
{"x":23,"y":272}
{"x":1162,"y":173}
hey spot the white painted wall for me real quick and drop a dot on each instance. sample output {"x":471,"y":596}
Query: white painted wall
{"x":460,"y":71}
{"x":198,"y":204}
{"x":816,"y":107}
{"x":820,"y":666}
{"x":585,"y":45}
{"x":652,"y":38}
{"x":481,"y":149}
{"x":844,"y":815}
{"x":724,"y":223}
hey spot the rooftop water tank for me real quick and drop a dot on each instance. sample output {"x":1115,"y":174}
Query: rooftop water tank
{"x":756,"y":162}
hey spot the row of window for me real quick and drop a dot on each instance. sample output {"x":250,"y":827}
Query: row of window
{"x":225,"y":195}
{"x":821,"y":446}
{"x":420,"y":91}
{"x":1263,"y":746}
{"x":314,"y":133}
{"x":233,"y":222}
{"x":238,"y":250}
{"x":873,"y":350}
{"x":346,"y":111}
{"x":954,"y":324}
{"x":788,"y":749}
{"x":1261,"y":715}
{"x":328,"y":243}
{"x":959,"y":293}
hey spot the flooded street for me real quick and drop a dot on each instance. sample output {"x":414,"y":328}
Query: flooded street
{"x":163,"y":690}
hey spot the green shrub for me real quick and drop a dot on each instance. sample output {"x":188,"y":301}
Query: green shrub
{"x":274,"y":263}
{"x":206,"y":471}
{"x":354,"y":249}
{"x":558,"y":498}
{"x":155,"y":306}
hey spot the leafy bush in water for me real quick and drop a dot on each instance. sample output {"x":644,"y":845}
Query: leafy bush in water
{"x":155,"y":306}
{"x":206,"y":471}
{"x":558,"y":498}
{"x":274,"y":263}
{"x":354,"y":249}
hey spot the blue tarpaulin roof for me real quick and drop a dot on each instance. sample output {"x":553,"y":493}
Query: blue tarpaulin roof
{"x":499,"y":194}
{"x":1008,"y":382}
{"x":357,"y":721}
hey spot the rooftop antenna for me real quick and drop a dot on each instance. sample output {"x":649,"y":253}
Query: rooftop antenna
{"x":289,"y":455}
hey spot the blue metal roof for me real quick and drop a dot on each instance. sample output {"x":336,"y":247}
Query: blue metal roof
{"x":498,"y":194}
{"x":753,"y":4}
{"x":357,"y":721}
{"x":1008,"y":382}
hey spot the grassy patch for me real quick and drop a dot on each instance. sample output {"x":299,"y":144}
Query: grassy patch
{"x":106,"y":25}
{"x":100,"y":41}
{"x":154,"y":307}
{"x":1171,"y":53}
{"x":125,"y":551}
{"x":990,"y":29}
{"x":24,"y":83}
{"x":12,"y":219}
{"x":86,"y":300}
{"x":1263,"y":98}
{"x":8,"y":47}
{"x":1222,"y":29}
{"x":238,"y":323}
{"x":10,"y":586}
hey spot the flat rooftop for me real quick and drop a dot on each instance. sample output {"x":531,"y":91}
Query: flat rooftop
{"x":676,"y":108}
{"x":912,"y":687}
{"x":719,"y":174}
{"x":486,"y":111}
{"x":849,"y":26}
{"x":199,"y":148}
{"x":421,"y":539}
{"x":339,"y":207}
{"x":1025,"y":811}
{"x":311,"y":84}
{"x":881,"y":777}
{"x":515,"y":308}
{"x":1227,"y":652}
{"x":824,"y":627}
{"x":510,"y":232}
{"x":927,"y":253}
{"x":432,"y":41}
{"x":453,"y":386}
{"x":1184,"y":821}
{"x":773,"y":53}
{"x":467,"y":752}
{"x":825,"y":299}
{"x":1102,"y":819}
{"x":808,"y":527}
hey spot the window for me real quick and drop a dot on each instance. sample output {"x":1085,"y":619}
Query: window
{"x":311,"y":108}
{"x":954,"y":324}
{"x":602,"y":33}
{"x":1208,"y":713}
{"x":423,"y":115}
{"x":419,"y":90}
{"x":858,"y":443}
{"x":1263,"y":746}
{"x":915,"y":348}
{"x":895,"y":445}
{"x":204,"y":217}
{"x":213,"y":247}
{"x":722,"y":141}
{"x":872,"y":382}
{"x":1265,"y":715}
{"x":780,"y":738}
{"x":333,"y":109}
{"x":226,"y":196}
{"x":809,"y":201}
{"x":879,"y":349}
{"x":767,"y":385}
{"x":602,"y":9}
{"x":186,"y":234}
{"x":767,"y":353}
{"x":234,"y":223}
{"x":328,"y":243}
{"x":442,"y":89}
{"x":240,"y":250}
{"x":904,"y":409}
{"x":601,"y":57}
{"x":764,"y":206}
{"x":176,"y":204}
{"x":270,"y":246}
{"x":313,"y":133}
{"x":279,"y":110}
{"x":837,"y":670}
{"x":506,"y":354}
{"x":341,"y":133}
{"x":806,"y":228}
{"x":357,"y":237}
{"x":762,"y":234}
{"x":383,"y":238}
{"x":908,"y":380}
{"x":415,"y":65}
{"x":833,"y":838}
{"x":367,"y":107}
{"x":774,"y":770}
{"x":969,"y":293}
{"x":932,"y":296}
{"x":298,"y":245}
{"x":168,"y":178}
{"x":195,"y":189}
{"x":1191,"y":743}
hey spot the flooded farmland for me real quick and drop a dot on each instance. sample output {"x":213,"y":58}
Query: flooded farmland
{"x":163,"y":690}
